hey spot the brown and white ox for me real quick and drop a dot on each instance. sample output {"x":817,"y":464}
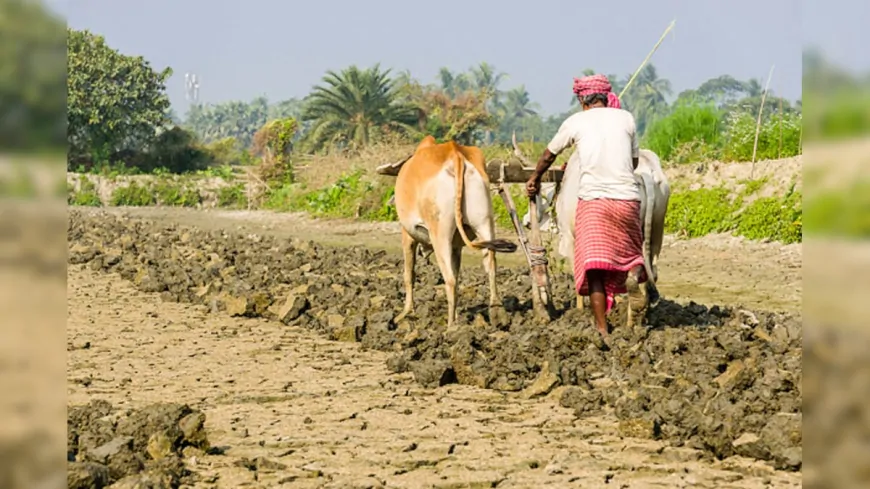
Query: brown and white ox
{"x":443,"y":200}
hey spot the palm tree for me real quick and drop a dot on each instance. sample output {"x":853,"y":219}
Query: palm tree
{"x":486,"y":80}
{"x":515,"y":111}
{"x":349,"y":106}
{"x":453,"y":84}
{"x":518,"y":104}
{"x":647,"y":98}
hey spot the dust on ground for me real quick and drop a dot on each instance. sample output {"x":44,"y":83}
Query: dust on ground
{"x":285,"y":407}
{"x":719,"y":382}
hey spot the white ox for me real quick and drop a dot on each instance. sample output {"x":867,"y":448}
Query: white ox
{"x":653,"y":181}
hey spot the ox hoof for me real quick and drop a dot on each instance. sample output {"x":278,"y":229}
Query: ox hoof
{"x":652,"y":293}
{"x":497,"y":316}
{"x":637,"y":299}
{"x":401,"y":317}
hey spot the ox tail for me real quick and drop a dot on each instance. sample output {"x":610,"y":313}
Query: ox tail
{"x":649,"y":187}
{"x":495,"y":245}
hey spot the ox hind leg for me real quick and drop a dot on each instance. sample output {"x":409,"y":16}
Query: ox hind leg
{"x":497,"y":314}
{"x":409,"y":250}
{"x":448,"y":258}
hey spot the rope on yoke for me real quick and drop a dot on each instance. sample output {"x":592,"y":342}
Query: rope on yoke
{"x":537,"y":255}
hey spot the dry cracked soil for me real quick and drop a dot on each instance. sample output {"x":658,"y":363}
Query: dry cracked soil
{"x":205,"y":355}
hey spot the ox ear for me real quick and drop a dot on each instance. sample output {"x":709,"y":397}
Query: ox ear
{"x":426,"y":142}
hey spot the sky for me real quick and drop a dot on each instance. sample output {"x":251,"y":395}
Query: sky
{"x":281,"y":48}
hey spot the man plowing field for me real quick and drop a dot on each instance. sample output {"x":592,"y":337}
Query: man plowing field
{"x":607,"y":229}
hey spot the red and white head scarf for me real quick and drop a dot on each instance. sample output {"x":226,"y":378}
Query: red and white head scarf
{"x":595,"y":84}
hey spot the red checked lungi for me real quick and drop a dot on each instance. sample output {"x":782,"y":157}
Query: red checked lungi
{"x":607,"y":236}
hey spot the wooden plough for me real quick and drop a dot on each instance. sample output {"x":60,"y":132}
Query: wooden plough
{"x":502,"y":172}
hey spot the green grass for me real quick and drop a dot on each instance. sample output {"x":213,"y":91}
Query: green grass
{"x":696,"y":213}
{"x":693,"y":132}
{"x":689,"y":131}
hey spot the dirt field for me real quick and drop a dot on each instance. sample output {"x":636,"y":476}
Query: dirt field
{"x":233,"y":318}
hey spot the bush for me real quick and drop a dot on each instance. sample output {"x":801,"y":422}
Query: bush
{"x":133,"y":195}
{"x":178,"y":151}
{"x":500,"y":211}
{"x":232,"y":196}
{"x":773,"y":218}
{"x":175,"y":194}
{"x":338,"y":199}
{"x":740,"y":137}
{"x":699,"y":212}
{"x":704,"y":211}
{"x":85,"y":196}
{"x":687,"y":126}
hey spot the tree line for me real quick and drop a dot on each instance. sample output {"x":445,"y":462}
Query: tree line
{"x":118,"y":111}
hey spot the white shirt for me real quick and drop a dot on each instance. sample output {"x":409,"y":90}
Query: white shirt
{"x":606,"y":141}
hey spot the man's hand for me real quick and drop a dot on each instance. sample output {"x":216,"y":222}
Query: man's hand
{"x":533,"y":186}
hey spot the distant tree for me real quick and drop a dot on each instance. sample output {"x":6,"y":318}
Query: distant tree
{"x":349,"y":107}
{"x":32,"y":77}
{"x":238,"y":120}
{"x":519,"y":113}
{"x":453,"y":84}
{"x":115,"y":102}
{"x":647,"y":97}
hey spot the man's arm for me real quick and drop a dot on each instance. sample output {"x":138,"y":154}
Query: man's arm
{"x":544,"y":162}
{"x":563,"y":139}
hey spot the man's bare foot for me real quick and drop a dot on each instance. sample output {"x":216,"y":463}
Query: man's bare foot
{"x":604,"y":342}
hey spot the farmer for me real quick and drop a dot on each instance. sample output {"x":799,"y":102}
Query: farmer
{"x":607,"y":228}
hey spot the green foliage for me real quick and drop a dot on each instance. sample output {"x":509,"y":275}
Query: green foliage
{"x":273,"y":143}
{"x":133,"y":195}
{"x":772,"y":218}
{"x":236,"y":119}
{"x":699,"y":212}
{"x":85,"y":196}
{"x":337,"y":199}
{"x":232,"y":196}
{"x":353,"y":105}
{"x":687,"y":130}
{"x":32,"y":77}
{"x":351,"y":196}
{"x":116,"y":102}
{"x":459,"y":119}
{"x":840,"y":212}
{"x":777,"y":137}
{"x":177,"y":151}
{"x":173,"y":193}
{"x":696,"y":213}
{"x":500,"y":211}
{"x":224,"y":172}
{"x":226,"y":152}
